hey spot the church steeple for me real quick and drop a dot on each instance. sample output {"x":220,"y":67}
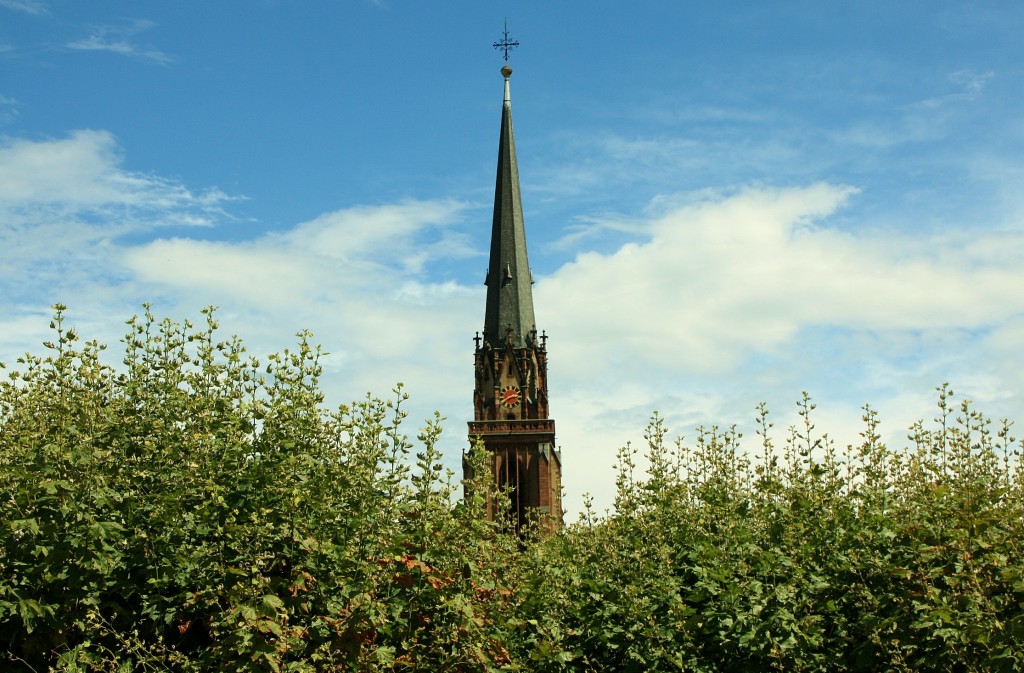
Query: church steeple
{"x":509,"y":293}
{"x":510,"y":398}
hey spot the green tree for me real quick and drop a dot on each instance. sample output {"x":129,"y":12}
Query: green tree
{"x":196,"y":509}
{"x":804,"y":559}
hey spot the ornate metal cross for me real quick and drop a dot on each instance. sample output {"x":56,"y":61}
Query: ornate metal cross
{"x":506,"y":44}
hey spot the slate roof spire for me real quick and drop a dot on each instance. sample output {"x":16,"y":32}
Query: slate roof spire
{"x":509,"y":292}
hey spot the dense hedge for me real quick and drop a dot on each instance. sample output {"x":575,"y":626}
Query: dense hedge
{"x":192,"y":509}
{"x":801,"y":561}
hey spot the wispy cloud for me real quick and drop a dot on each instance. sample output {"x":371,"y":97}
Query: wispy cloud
{"x":8,"y":109}
{"x":118,"y":40}
{"x":970,"y":84}
{"x":37,"y":7}
{"x":587,"y":228}
{"x":64,"y":202}
{"x":83,"y":172}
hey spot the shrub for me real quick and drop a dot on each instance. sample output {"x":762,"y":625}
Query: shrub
{"x":194,"y":509}
{"x":873,"y":560}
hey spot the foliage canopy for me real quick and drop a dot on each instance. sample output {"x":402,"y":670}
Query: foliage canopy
{"x":195,"y":509}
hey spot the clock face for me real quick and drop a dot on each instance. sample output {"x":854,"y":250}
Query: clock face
{"x":509,"y":396}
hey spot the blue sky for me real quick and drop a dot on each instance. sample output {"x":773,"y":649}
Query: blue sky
{"x":726,"y":203}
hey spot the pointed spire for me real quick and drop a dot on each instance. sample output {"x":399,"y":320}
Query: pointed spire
{"x":509,"y":295}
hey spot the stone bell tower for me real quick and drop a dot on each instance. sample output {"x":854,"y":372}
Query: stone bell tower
{"x":510,"y":399}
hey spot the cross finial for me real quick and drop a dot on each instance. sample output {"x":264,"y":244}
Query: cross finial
{"x":505,"y":44}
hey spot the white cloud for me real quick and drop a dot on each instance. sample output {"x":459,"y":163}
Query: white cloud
{"x":720,"y":278}
{"x":755,"y":294}
{"x":353,"y":233}
{"x":65,"y":203}
{"x":235,"y":272}
{"x":695,"y":287}
{"x":340,"y":256}
{"x":83,"y":172}
{"x":726,"y":301}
